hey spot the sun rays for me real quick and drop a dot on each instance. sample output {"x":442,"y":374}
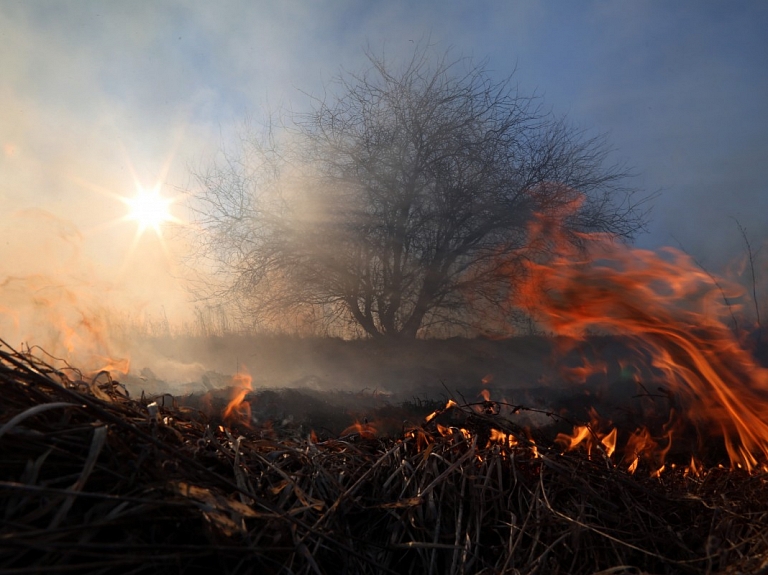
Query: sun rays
{"x":150,"y":209}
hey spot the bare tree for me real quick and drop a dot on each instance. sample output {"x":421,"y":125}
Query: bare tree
{"x":751,"y":257}
{"x":399,"y":201}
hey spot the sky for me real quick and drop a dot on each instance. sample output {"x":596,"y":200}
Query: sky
{"x":99,"y":96}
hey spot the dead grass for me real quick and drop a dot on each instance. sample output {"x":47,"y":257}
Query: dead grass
{"x":97,"y":482}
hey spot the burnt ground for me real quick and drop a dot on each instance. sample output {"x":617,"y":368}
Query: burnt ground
{"x":327,"y":384}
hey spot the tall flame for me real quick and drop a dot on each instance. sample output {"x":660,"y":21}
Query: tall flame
{"x":671,"y":311}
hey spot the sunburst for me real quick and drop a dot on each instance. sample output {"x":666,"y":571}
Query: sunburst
{"x":149,"y":209}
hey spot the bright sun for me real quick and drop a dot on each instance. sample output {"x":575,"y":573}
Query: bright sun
{"x":149,"y":209}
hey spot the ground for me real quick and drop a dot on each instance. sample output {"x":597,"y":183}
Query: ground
{"x":311,"y":378}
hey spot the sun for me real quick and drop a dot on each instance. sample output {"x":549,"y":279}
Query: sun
{"x":149,"y":209}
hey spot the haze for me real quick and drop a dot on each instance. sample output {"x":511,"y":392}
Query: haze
{"x":99,"y":97}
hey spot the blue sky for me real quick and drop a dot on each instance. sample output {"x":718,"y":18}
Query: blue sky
{"x":94,"y":91}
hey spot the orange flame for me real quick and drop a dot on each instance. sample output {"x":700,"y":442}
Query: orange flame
{"x":364,"y":430}
{"x":641,"y":445}
{"x":671,"y":311}
{"x":449,"y":404}
{"x":609,"y":441}
{"x":694,"y":468}
{"x":590,"y":435}
{"x":580,"y":373}
{"x":502,"y":438}
{"x":122,"y":366}
{"x":238,"y":409}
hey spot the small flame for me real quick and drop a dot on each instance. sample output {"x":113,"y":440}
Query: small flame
{"x":449,"y":404}
{"x":581,"y":373}
{"x":589,"y":435}
{"x":122,"y":366}
{"x":642,"y":445}
{"x":238,"y":409}
{"x":693,"y":468}
{"x":581,"y":434}
{"x":609,"y":442}
{"x":364,"y":430}
{"x":502,"y":438}
{"x":534,"y":449}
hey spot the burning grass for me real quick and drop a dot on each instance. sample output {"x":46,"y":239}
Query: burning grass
{"x":97,"y":482}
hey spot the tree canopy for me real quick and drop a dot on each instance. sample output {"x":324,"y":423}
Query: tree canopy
{"x":397,"y":204}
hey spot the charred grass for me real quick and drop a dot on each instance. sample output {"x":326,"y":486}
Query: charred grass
{"x":94,"y":481}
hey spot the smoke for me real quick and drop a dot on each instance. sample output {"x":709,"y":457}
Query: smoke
{"x":74,"y":306}
{"x":96,"y":97}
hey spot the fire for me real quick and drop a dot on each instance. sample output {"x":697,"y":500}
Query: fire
{"x":609,"y":442}
{"x":496,"y":438}
{"x":119,"y":365}
{"x":62,"y":323}
{"x":365,"y":430}
{"x":449,"y":404}
{"x":579,"y":374}
{"x":641,"y":445}
{"x":238,"y":409}
{"x":694,"y":468}
{"x":590,"y":435}
{"x":672,"y":312}
{"x":501,"y":438}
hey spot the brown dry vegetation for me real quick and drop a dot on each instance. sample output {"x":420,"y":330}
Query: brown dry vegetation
{"x":94,"y":482}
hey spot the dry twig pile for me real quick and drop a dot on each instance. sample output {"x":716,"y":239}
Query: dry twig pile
{"x":96,"y":482}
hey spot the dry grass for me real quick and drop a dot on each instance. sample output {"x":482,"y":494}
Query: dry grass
{"x":96,"y":482}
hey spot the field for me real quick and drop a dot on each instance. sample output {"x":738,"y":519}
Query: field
{"x":358,"y":375}
{"x":351,"y":460}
